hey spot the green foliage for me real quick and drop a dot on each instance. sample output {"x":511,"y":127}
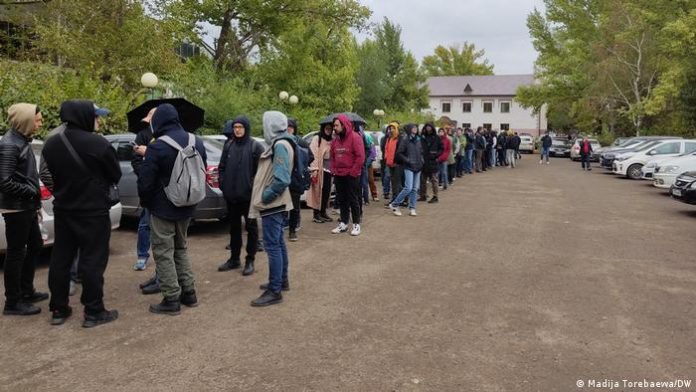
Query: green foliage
{"x":457,"y":61}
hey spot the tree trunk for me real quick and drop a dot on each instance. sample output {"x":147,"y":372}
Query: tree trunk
{"x":223,"y":38}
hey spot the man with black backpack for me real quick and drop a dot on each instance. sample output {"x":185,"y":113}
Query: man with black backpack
{"x":171,"y":183}
{"x":302,"y":179}
{"x":240,"y":157}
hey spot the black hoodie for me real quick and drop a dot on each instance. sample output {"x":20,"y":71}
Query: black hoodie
{"x":75,"y":191}
{"x":238,"y":163}
{"x":432,"y":148}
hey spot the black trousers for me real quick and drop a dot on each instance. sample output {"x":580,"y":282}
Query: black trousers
{"x":236,"y":212}
{"x":451,"y":172}
{"x":294,"y":221}
{"x":325,"y":193}
{"x":348,"y":197}
{"x":91,"y":235}
{"x":397,"y":182}
{"x":23,"y":246}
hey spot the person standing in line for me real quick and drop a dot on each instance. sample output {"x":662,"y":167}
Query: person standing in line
{"x":493,"y":149}
{"x":142,"y":140}
{"x":410,"y":155}
{"x":512,"y":146}
{"x":452,"y":158}
{"x":295,"y":215}
{"x":237,"y":168}
{"x":320,"y":169}
{"x":20,"y":205}
{"x":469,"y":151}
{"x":370,"y":169}
{"x":546,"y":143}
{"x":432,"y":149}
{"x":348,"y":157}
{"x":390,"y":159}
{"x":168,"y":222}
{"x":461,"y":152}
{"x":585,"y":154}
{"x":500,"y":149}
{"x":444,"y":157}
{"x":83,"y":166}
{"x":385,"y":172}
{"x":480,"y":145}
{"x":271,"y":200}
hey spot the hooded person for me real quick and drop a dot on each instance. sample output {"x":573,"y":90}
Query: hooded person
{"x":444,"y":157}
{"x":295,"y":215}
{"x":20,"y":202}
{"x":237,"y":168}
{"x":83,"y":166}
{"x":271,"y":201}
{"x":142,"y":140}
{"x":320,"y":169}
{"x":432,"y":149}
{"x":168,"y":222}
{"x":348,"y":158}
{"x":410,"y":156}
{"x":395,"y":170}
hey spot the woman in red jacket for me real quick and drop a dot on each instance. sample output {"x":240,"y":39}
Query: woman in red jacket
{"x":348,"y":158}
{"x":442,"y":159}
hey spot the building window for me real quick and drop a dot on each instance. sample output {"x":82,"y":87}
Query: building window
{"x":488,"y":126}
{"x":505,"y":107}
{"x":466,"y":125}
{"x":466,"y":107}
{"x":488,"y":107}
{"x":504,"y":127}
{"x":446,"y":107}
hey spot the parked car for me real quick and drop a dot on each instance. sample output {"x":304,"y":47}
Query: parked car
{"x":684,"y":188}
{"x":606,"y":158}
{"x":526,"y":144}
{"x":212,"y":207}
{"x":666,"y":172}
{"x":575,"y":150}
{"x":47,"y":224}
{"x":629,"y":164}
{"x":222,"y":139}
{"x":560,"y":147}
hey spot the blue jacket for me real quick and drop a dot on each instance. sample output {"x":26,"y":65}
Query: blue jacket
{"x":158,"y":164}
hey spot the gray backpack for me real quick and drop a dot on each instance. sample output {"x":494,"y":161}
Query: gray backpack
{"x":187,"y":183}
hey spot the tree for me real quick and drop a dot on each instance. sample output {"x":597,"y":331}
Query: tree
{"x":372,"y":77}
{"x":457,"y":61}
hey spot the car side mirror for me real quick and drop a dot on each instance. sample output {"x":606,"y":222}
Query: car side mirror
{"x":652,"y":152}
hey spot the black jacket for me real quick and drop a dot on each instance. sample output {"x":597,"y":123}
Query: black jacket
{"x":409,"y":153}
{"x":432,"y":149}
{"x":502,"y":142}
{"x":158,"y":164}
{"x":78,"y":192}
{"x":480,"y":142}
{"x":514,"y":143}
{"x":546,"y":141}
{"x":238,"y":163}
{"x":144,"y":138}
{"x":19,"y":178}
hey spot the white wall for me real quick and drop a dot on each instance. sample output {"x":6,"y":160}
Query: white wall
{"x":520,"y":119}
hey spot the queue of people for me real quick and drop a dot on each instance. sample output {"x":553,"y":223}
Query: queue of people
{"x":258,"y":184}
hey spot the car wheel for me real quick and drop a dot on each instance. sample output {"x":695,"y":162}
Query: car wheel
{"x":634,"y":171}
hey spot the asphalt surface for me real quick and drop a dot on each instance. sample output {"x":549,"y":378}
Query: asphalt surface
{"x":519,"y":280}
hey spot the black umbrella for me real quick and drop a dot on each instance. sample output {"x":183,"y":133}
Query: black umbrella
{"x":327,"y":120}
{"x":190,"y":115}
{"x":353,"y":117}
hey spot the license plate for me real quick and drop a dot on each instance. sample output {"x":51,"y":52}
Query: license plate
{"x":676,"y":192}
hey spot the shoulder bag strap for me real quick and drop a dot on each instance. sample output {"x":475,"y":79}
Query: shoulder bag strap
{"x":74,"y":154}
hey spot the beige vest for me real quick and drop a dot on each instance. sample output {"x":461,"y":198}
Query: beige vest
{"x":264,"y":178}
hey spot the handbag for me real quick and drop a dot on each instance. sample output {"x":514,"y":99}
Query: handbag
{"x":112,"y":192}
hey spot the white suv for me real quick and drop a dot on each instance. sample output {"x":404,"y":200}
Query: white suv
{"x":630,"y":164}
{"x":666,"y":173}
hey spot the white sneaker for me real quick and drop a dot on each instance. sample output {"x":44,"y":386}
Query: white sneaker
{"x":395,"y":210}
{"x":413,"y":212}
{"x":541,"y":162}
{"x":355,"y":231}
{"x":548,"y":162}
{"x":342,"y":228}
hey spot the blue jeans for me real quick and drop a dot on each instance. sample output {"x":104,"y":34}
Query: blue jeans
{"x":386,"y":181}
{"x":469,"y":161}
{"x":442,"y":168}
{"x":274,"y":244}
{"x":493,"y":158}
{"x":144,"y":235}
{"x":411,"y":187}
{"x":545,"y":153}
{"x":364,"y":185}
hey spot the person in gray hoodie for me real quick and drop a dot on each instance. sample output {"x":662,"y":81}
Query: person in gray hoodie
{"x":238,"y":163}
{"x":271,"y":200}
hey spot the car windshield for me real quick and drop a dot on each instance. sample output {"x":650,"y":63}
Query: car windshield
{"x":560,"y":142}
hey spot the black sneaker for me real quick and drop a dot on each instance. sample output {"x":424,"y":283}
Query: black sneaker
{"x":148,"y":282}
{"x":229,"y":265}
{"x":317,"y":219}
{"x":35,"y":297}
{"x":268,"y":298}
{"x":104,"y":317}
{"x":422,"y":198}
{"x":151,"y":289}
{"x":433,"y":200}
{"x":292,"y":236}
{"x":171,"y":307}
{"x":21,"y":309}
{"x":59,"y":317}
{"x":189,"y":298}
{"x":284,"y":287}
{"x":248,"y":268}
{"x":326,"y":218}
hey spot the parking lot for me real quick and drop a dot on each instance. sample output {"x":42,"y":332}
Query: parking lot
{"x":518,"y":280}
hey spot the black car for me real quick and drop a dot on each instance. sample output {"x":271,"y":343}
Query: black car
{"x":684,"y":188}
{"x":560,"y":147}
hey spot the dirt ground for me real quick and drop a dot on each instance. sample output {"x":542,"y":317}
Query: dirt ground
{"x":519,"y":280}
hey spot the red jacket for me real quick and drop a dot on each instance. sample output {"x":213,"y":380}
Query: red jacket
{"x":447,"y":149}
{"x":347,"y":151}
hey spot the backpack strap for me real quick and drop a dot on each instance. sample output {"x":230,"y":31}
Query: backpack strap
{"x":168,"y":140}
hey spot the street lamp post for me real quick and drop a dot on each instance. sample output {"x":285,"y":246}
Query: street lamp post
{"x":378,"y":113}
{"x":149,"y":81}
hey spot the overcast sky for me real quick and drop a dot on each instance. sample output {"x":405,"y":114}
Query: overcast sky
{"x":498,"y":26}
